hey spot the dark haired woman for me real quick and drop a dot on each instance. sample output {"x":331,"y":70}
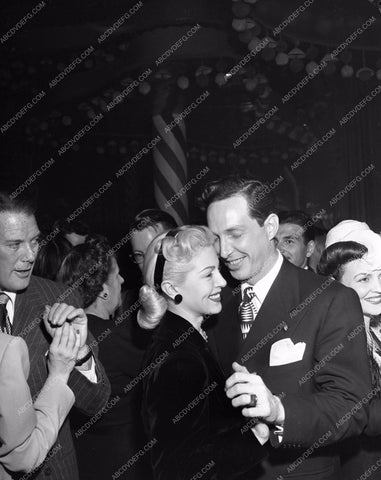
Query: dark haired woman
{"x":50,"y":256}
{"x":117,"y":435}
{"x":353,"y":257}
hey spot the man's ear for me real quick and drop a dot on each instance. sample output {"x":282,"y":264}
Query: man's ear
{"x":271,"y":224}
{"x":169,"y":289}
{"x":310,"y":248}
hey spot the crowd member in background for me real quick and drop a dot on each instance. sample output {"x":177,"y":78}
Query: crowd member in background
{"x":353,"y":257}
{"x":50,"y":256}
{"x":29,"y":429}
{"x":320,"y":236}
{"x":295,"y":237}
{"x":146,"y":225}
{"x":75,"y":231}
{"x":209,"y":438}
{"x":118,"y":434}
{"x":28,"y":298}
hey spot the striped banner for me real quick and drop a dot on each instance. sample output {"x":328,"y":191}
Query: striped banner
{"x":170,"y":167}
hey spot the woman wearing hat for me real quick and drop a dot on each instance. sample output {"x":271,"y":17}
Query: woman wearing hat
{"x":353,"y":257}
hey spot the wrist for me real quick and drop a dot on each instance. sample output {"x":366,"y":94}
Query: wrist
{"x":54,"y":377}
{"x":84,"y":355}
{"x":280,"y":417}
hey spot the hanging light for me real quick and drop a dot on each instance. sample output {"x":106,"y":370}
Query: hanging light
{"x":253,"y":44}
{"x":310,"y":67}
{"x":281,"y":59}
{"x":250,"y":84}
{"x":220,"y":79}
{"x":296,"y":53}
{"x":239,"y":24}
{"x":364,"y":73}
{"x":347,"y":71}
{"x":183,"y":82}
{"x":144,"y":88}
{"x":203,"y":70}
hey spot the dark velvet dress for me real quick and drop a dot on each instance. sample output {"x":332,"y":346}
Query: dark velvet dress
{"x":196,"y":430}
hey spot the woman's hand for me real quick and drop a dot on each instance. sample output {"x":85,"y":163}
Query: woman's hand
{"x":153,"y":308}
{"x":63,"y":352}
{"x":56,"y":315}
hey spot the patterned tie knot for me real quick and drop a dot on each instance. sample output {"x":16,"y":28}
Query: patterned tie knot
{"x":248,"y":294}
{"x":3,"y":298}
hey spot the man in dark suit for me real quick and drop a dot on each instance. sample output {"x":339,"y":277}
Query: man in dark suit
{"x":29,"y":298}
{"x":298,"y":368}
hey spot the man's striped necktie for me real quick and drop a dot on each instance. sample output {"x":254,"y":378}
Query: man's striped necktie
{"x":247,"y":311}
{"x":5,"y":323}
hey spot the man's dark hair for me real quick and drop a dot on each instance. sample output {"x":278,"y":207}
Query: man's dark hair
{"x":75,"y":226}
{"x":17,"y":204}
{"x":298,"y":217}
{"x":152,"y":217}
{"x":337,"y":255}
{"x":50,"y":257}
{"x":259,"y":197}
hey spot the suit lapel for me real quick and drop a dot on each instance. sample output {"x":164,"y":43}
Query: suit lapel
{"x":28,"y":310}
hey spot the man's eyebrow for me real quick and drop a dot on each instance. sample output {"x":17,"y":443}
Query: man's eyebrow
{"x":235,"y":227}
{"x":292,"y":235}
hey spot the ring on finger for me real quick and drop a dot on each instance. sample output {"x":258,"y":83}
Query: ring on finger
{"x":253,"y":400}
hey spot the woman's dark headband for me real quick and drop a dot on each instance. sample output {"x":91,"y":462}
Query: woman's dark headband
{"x":160,"y":261}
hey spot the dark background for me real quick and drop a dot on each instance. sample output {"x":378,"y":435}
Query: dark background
{"x":56,"y":35}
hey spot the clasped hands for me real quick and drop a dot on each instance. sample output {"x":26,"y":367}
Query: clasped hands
{"x":60,"y":314}
{"x":241,"y":386}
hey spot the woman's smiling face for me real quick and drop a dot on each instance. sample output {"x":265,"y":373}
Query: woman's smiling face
{"x":365,"y":279}
{"x":201,"y":289}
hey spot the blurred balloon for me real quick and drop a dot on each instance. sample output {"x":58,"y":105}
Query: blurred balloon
{"x":281,"y":59}
{"x":144,"y":88}
{"x":347,"y":71}
{"x":183,"y":82}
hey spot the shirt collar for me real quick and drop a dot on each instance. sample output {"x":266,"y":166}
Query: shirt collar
{"x":262,"y":287}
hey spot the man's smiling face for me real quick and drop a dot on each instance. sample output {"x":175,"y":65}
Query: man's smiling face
{"x":245,"y":247}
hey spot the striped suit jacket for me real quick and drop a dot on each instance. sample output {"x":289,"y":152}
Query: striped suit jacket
{"x":90,"y":397}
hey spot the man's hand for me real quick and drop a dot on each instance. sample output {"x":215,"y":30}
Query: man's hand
{"x":56,"y":315}
{"x":153,"y":308}
{"x":63,"y":352}
{"x":242,"y":384}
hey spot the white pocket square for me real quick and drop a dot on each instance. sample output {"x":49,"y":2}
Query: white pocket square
{"x":285,"y":351}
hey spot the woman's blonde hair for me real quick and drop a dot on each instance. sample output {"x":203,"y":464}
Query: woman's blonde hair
{"x":178,"y":247}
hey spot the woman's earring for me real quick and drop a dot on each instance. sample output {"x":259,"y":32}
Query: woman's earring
{"x":178,"y":299}
{"x":105,"y":295}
